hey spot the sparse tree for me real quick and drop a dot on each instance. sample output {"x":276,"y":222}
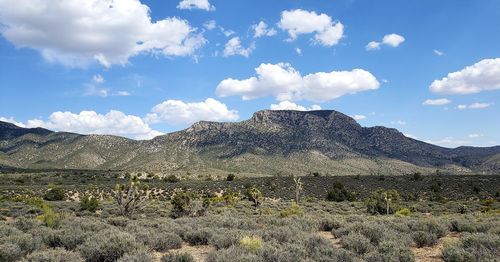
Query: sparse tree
{"x":255,"y":196}
{"x":131,"y":197}
{"x":299,"y":188}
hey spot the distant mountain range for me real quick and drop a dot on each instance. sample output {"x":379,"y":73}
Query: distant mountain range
{"x":271,"y":142}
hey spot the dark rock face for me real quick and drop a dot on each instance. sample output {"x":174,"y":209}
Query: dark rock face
{"x":10,"y":131}
{"x":267,"y":134}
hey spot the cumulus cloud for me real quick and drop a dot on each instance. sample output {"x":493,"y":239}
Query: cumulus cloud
{"x":436,"y":102}
{"x":359,"y":117}
{"x":326,"y":31}
{"x":392,"y":40}
{"x":79,"y":32}
{"x":210,"y":25}
{"x":287,"y":105}
{"x":261,"y":29}
{"x":89,"y":122}
{"x":98,"y":79}
{"x":12,"y":121}
{"x":298,"y":51}
{"x":285,"y":83}
{"x":234,"y":47}
{"x":196,"y":4}
{"x":481,"y":76}
{"x":475,"y":106}
{"x":178,"y":112}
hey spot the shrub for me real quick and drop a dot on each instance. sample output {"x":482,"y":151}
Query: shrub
{"x":198,"y":237}
{"x":417,"y":176}
{"x":89,"y":203}
{"x":184,"y":204}
{"x":172,"y":179}
{"x":293,"y":210}
{"x":230,"y":177}
{"x":252,"y":243}
{"x":25,"y":224}
{"x":53,"y":255}
{"x":357,"y":243}
{"x":108,"y":245}
{"x":158,"y":241}
{"x":141,"y":255}
{"x":224,"y":239}
{"x":339,"y":193}
{"x":178,"y":257}
{"x":438,"y":227}
{"x":456,"y":253}
{"x":383,"y":202}
{"x":51,"y":218}
{"x":10,"y":252}
{"x":54,"y":193}
{"x":424,"y":239}
{"x":403,"y":212}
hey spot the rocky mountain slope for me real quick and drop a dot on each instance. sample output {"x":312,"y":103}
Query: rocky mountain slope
{"x":270,"y":142}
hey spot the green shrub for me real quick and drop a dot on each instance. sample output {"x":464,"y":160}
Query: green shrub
{"x":172,"y":179}
{"x":252,"y":243}
{"x":424,"y":239}
{"x":54,"y":193}
{"x":51,"y":218}
{"x":89,"y":203}
{"x":403,"y":212}
{"x":456,"y":253}
{"x":177,"y":257}
{"x":383,"y":202}
{"x":230,"y":177}
{"x":108,"y":245}
{"x":255,"y":196}
{"x":198,"y":237}
{"x":357,"y":243}
{"x":339,"y":193}
{"x":10,"y":252}
{"x":53,"y":255}
{"x":185,"y":204}
{"x":293,"y":210}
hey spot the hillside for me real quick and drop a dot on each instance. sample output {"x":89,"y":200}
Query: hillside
{"x":270,"y":142}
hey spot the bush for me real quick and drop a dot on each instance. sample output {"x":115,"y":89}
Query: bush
{"x":141,"y":255}
{"x":198,"y":237}
{"x":230,"y":177}
{"x":89,"y":203}
{"x":178,"y":257}
{"x":54,"y":193}
{"x":108,"y":245}
{"x":403,"y":212}
{"x":53,"y":255}
{"x":339,"y":193}
{"x":50,"y":217}
{"x":252,"y":243}
{"x":172,"y":179}
{"x":184,"y":204}
{"x":456,"y":253}
{"x":424,"y":239}
{"x":10,"y":252}
{"x":383,"y":202}
{"x":293,"y":210}
{"x":438,"y":227}
{"x":357,"y":243}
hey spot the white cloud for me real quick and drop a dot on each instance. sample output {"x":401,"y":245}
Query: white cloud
{"x":373,"y":45}
{"x":392,"y":40}
{"x":449,"y":142}
{"x":210,"y":25}
{"x":398,"y":122}
{"x":475,"y":106}
{"x":98,"y":79}
{"x":359,"y":117}
{"x":196,"y":4}
{"x":298,"y":51}
{"x":297,"y":22}
{"x":436,"y":102}
{"x":121,"y":93}
{"x":287,"y":105}
{"x":227,"y":33}
{"x":475,"y":135}
{"x":234,"y":47}
{"x":12,"y":121}
{"x":261,"y":29}
{"x":79,"y":32}
{"x":89,"y":122}
{"x":437,"y":52}
{"x":178,"y":112}
{"x":285,"y":83}
{"x":410,"y":136}
{"x":481,"y":76}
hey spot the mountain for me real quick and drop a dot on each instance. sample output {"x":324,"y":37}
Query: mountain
{"x":271,"y":142}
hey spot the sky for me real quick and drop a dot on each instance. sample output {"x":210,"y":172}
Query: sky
{"x":139,"y":69}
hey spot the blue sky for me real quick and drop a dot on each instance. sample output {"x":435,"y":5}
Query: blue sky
{"x":142,"y":68}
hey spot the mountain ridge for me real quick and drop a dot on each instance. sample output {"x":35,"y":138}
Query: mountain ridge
{"x":295,"y":141}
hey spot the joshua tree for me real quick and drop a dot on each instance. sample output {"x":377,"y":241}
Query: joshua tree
{"x":298,"y":188}
{"x":255,"y":196}
{"x":131,"y":197}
